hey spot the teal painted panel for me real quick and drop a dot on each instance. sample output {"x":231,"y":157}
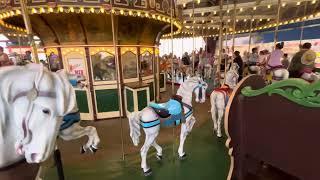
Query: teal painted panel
{"x":82,"y":101}
{"x":142,"y":99}
{"x":151,"y":88}
{"x":130,"y":101}
{"x":107,"y":100}
{"x":161,"y":81}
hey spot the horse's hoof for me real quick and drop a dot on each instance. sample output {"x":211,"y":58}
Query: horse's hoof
{"x":82,"y":150}
{"x":183,"y":157}
{"x":159,"y":158}
{"x":148,"y":173}
{"x":93,"y":149}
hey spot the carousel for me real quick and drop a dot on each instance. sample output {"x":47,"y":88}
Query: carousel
{"x":114,"y":44}
{"x":111,"y":49}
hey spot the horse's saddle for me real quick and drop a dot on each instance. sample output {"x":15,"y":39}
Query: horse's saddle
{"x":226,"y":91}
{"x":69,"y":120}
{"x":169,"y":113}
{"x":273,"y":68}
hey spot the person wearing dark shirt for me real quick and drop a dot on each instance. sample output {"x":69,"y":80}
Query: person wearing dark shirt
{"x":296,"y":65}
{"x":239,"y":61}
{"x":186,"y":59}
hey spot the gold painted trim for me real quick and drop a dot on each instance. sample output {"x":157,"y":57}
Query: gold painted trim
{"x":92,"y":46}
{"x":40,"y":9}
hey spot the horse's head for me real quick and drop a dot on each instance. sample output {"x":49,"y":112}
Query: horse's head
{"x":234,"y":67}
{"x":37,"y":100}
{"x":199,"y":87}
{"x":232,"y":76}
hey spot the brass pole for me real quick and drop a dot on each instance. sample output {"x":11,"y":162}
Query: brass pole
{"x":172,"y":72}
{"x":114,"y":39}
{"x":303,"y":21}
{"x":226,"y":48}
{"x":26,"y":19}
{"x":193,"y":45}
{"x":250,"y":33}
{"x":158,"y":72}
{"x":277,"y":25}
{"x":220,"y":40}
{"x":226,"y":39}
{"x":234,"y":24}
{"x":172,"y":68}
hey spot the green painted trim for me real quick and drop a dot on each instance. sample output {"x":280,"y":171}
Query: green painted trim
{"x":130,"y":100}
{"x":142,"y":99}
{"x":107,"y":100}
{"x":82,"y":101}
{"x":296,"y":90}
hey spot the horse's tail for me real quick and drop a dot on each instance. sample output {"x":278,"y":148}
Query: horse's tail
{"x":134,"y":123}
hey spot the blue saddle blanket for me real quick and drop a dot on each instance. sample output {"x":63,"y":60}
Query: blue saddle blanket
{"x":69,"y":120}
{"x":175,"y":111}
{"x":173,"y":106}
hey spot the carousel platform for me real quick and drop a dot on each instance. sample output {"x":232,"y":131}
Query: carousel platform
{"x":206,"y":155}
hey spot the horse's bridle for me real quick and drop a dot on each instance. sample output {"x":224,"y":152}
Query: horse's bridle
{"x":200,"y":85}
{"x":31,"y":95}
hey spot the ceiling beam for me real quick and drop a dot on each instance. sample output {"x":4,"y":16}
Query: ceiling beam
{"x":239,"y":5}
{"x":217,"y":19}
{"x":212,"y":25}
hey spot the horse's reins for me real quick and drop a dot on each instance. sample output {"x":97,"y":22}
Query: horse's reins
{"x":31,"y":95}
{"x":200,"y":85}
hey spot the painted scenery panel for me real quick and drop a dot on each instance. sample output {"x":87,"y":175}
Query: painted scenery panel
{"x":129,"y":65}
{"x":146,"y":60}
{"x":104,"y":68}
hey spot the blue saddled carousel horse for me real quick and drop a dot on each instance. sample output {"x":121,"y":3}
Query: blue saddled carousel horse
{"x":178,"y":110}
{"x":70,"y":128}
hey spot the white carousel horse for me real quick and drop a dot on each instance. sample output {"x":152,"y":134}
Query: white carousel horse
{"x":33,"y":104}
{"x":70,"y":128}
{"x":168,"y":114}
{"x":219,"y":98}
{"x":207,"y":71}
{"x":276,"y":74}
{"x":311,"y":77}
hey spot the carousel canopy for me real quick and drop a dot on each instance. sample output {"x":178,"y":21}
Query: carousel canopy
{"x":202,"y":17}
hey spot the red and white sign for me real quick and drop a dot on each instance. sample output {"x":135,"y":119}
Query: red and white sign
{"x":76,"y":66}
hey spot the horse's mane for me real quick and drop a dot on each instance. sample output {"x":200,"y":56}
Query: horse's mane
{"x":5,"y":86}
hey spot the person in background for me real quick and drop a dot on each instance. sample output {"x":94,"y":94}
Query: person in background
{"x":296,"y":65}
{"x":285,"y":61}
{"x":202,"y":61}
{"x":253,"y":58}
{"x":28,"y":57}
{"x":224,"y":60}
{"x":237,"y":59}
{"x":4,"y":58}
{"x":186,"y":59}
{"x":262,"y":61}
{"x":275,"y":57}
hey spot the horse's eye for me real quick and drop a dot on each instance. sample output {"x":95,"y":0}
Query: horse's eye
{"x":46,"y":111}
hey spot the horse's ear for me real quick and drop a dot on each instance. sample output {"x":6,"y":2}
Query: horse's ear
{"x":66,"y":99}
